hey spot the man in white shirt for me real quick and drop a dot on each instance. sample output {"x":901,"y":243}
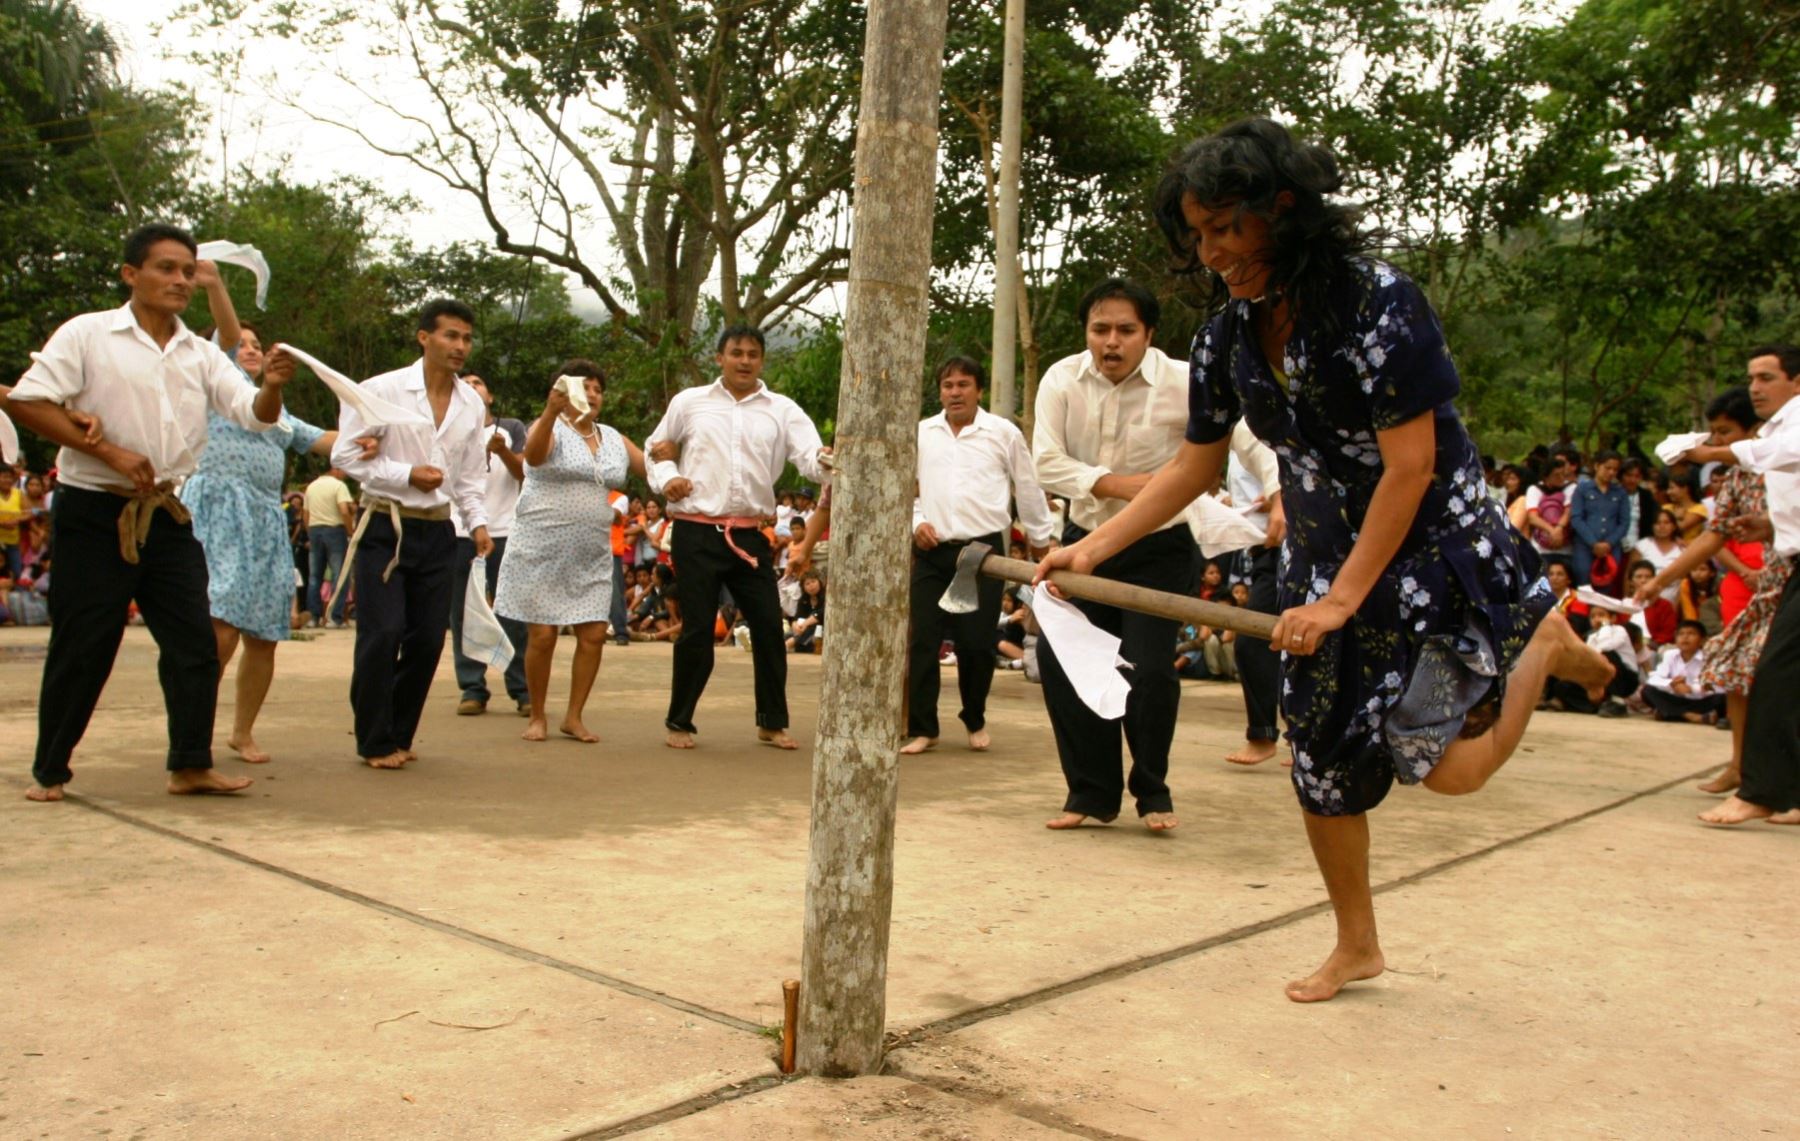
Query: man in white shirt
{"x":1253,"y":477}
{"x":973,"y":465}
{"x":330,"y":517}
{"x":1107,"y":419}
{"x":406,"y":575}
{"x":505,"y":460}
{"x":1771,"y":782}
{"x":733,"y":438}
{"x":1674,"y":688}
{"x":121,"y":534}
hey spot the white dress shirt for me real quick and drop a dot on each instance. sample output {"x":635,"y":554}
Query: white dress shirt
{"x":1254,"y":473}
{"x":969,"y":480}
{"x":1775,"y":454}
{"x":1087,"y":427}
{"x":152,"y":399}
{"x":457,"y":447}
{"x":733,"y":450}
{"x":1674,"y":667}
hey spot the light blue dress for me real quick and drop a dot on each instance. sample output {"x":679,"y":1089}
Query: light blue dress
{"x":235,"y":498}
{"x":559,"y":561}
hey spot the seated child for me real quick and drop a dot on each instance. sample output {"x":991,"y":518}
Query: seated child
{"x":1675,"y":690}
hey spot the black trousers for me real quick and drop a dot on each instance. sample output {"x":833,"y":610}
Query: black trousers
{"x":1670,"y":706}
{"x":89,"y":594}
{"x":973,"y":634}
{"x":703,"y":564}
{"x":1772,"y":726}
{"x":1259,"y":666}
{"x":400,"y":627}
{"x":1088,"y":744}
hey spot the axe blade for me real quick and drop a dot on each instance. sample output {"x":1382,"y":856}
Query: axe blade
{"x":964,"y":593}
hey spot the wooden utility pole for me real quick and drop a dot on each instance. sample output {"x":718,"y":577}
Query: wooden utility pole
{"x":1008,"y":281}
{"x":850,"y":875}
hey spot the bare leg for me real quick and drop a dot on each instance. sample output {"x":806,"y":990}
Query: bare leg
{"x":226,"y":636}
{"x":540,"y":648}
{"x":255,"y":672}
{"x":1340,"y":844}
{"x":590,"y":640}
{"x":1737,"y":707}
{"x":1554,"y":649}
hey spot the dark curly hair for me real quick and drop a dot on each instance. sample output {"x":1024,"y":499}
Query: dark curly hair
{"x":1247,"y":166}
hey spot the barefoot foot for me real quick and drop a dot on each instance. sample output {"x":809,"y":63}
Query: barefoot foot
{"x":1723,"y":783}
{"x":677,"y":739}
{"x":1074,"y":820}
{"x":1160,"y":821}
{"x":1344,"y":966}
{"x":980,"y":741}
{"x":1573,"y":659}
{"x":394,"y":760}
{"x":1735,"y":811}
{"x":777,"y":737}
{"x":918,"y":745}
{"x":1791,"y":816}
{"x":245,"y":748}
{"x":572,"y":727}
{"x":44,"y":795}
{"x":1253,"y":753}
{"x":536,"y":730}
{"x":200,"y":782}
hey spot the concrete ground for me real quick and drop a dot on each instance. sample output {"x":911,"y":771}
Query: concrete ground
{"x":558,"y":940}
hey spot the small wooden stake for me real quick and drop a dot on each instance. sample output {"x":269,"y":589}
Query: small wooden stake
{"x":790,"y":1014}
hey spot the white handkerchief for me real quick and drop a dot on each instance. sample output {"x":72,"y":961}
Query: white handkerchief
{"x":236,"y":253}
{"x":1593,"y":597}
{"x":9,"y":440}
{"x":575,"y":388}
{"x":375,"y":411}
{"x":483,"y":638}
{"x":1670,"y":449}
{"x":1220,"y":529}
{"x":1088,"y":654}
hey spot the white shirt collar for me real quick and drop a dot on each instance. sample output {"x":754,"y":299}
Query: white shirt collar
{"x":979,"y":424}
{"x":762,"y":390}
{"x":125,"y":321}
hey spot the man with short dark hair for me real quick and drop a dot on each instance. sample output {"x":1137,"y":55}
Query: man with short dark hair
{"x":973,"y":466}
{"x":505,"y":478}
{"x":406,"y":577}
{"x":121,"y":534}
{"x":1107,"y":419}
{"x":1771,"y":780}
{"x":732,"y":438}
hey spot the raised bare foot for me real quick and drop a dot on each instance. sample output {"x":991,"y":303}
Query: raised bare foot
{"x":777,"y":737}
{"x":1075,"y":820}
{"x":1725,"y":782}
{"x":200,"y":782}
{"x":536,"y":729}
{"x":44,"y":795}
{"x":1344,"y":966}
{"x":1735,"y":811}
{"x":918,"y":745}
{"x":245,"y":748}
{"x":980,"y":741}
{"x":1160,"y":821}
{"x":1791,"y":816}
{"x":1573,"y":659}
{"x":1253,"y":753}
{"x":572,"y":727}
{"x":394,"y":760}
{"x":678,"y":739}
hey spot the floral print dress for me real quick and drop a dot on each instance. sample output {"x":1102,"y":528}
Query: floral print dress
{"x":1434,"y":640}
{"x":1731,"y":653}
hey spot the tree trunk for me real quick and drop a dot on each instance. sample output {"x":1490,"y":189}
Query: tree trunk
{"x":850,"y":875}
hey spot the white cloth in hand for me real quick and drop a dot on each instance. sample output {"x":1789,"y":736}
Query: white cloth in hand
{"x":1671,"y":449}
{"x":483,"y":638}
{"x":249,"y":257}
{"x":375,"y":412}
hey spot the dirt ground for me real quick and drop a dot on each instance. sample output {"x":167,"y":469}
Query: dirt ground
{"x":559,"y":940}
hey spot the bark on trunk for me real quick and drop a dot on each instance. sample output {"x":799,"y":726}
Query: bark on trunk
{"x":849,"y":881}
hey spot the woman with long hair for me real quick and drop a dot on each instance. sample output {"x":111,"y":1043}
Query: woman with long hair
{"x":559,"y":561}
{"x":1415,"y":629}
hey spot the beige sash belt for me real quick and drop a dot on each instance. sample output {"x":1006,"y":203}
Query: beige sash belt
{"x":395,"y":511}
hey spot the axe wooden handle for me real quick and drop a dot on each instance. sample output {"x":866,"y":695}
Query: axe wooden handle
{"x":1126,"y":596}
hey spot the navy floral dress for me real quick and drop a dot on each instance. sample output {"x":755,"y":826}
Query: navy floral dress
{"x":1425,"y":658}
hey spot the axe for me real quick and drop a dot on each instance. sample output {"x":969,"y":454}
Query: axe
{"x":979,"y":558}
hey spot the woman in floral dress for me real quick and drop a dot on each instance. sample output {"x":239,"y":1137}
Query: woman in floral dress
{"x":1415,"y":630}
{"x":1731,"y":654}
